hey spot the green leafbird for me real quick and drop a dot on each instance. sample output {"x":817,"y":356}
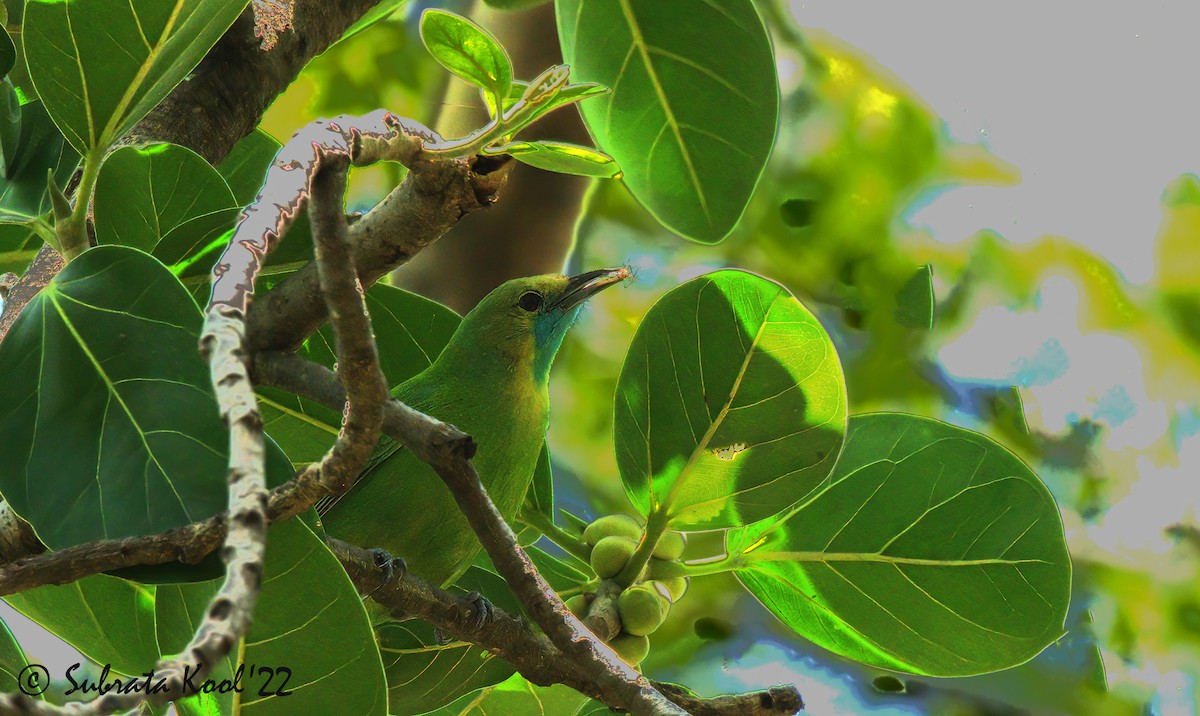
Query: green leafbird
{"x":491,"y":382}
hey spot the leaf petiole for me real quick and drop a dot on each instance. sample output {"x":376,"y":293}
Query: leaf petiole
{"x":573,"y":545}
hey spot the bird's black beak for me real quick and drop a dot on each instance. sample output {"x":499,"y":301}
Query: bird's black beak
{"x":585,"y":285}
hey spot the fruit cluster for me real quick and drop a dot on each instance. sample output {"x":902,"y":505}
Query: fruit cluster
{"x":643,"y":605}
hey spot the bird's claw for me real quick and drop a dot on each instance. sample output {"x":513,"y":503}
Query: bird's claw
{"x":388,"y":564}
{"x":485,"y":611}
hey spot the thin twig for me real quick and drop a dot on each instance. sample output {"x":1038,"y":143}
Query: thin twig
{"x":357,"y":357}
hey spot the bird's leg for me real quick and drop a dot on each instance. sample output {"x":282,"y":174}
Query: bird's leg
{"x":387,"y":564}
{"x":485,"y":611}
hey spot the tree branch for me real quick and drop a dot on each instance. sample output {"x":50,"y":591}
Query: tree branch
{"x":532,"y":654}
{"x":430,"y":200}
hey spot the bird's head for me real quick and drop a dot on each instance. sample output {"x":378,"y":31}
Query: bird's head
{"x":525,"y":319}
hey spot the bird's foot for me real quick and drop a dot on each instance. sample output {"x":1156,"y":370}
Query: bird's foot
{"x":388,"y":564}
{"x":485,"y":611}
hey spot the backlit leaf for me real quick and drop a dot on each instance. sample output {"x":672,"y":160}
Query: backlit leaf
{"x":12,"y":660}
{"x":730,"y":405}
{"x":562,"y":157}
{"x":931,"y":550}
{"x":692,"y":113}
{"x":105,"y":361}
{"x":101,"y":65}
{"x":124,"y":637}
{"x":518,"y":696}
{"x":467,"y":50}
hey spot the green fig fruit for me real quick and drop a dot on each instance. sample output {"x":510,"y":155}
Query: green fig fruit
{"x":618,"y":525}
{"x":578,"y":605}
{"x":675,"y":586}
{"x":641,"y":610}
{"x":633,"y":649}
{"x":611,"y":554}
{"x":670,"y":546}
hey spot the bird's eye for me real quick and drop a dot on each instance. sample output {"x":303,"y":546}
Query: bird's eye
{"x":531,"y":301}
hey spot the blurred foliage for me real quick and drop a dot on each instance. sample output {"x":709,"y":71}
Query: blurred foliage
{"x":856,"y":149}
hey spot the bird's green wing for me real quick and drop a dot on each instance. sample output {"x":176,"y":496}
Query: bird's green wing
{"x":386,"y":449}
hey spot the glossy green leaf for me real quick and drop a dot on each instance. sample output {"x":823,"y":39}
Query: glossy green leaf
{"x":914,"y":302}
{"x":692,"y":113}
{"x":730,"y":405}
{"x":145,"y":193}
{"x":39,"y":149}
{"x":467,"y":50}
{"x":424,"y":675}
{"x":146,"y":445}
{"x":109,"y":620}
{"x":932,"y":550}
{"x":410,"y":330}
{"x":12,"y":660}
{"x":517,"y":696}
{"x":245,"y":167}
{"x":561,"y":157}
{"x":308,"y":620}
{"x":378,"y":13}
{"x":101,"y":65}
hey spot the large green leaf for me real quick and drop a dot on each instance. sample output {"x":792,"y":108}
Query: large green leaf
{"x":731,"y":404}
{"x":109,"y":620}
{"x":411,"y":331}
{"x":309,"y":621}
{"x":101,"y":65}
{"x":932,"y":550}
{"x":111,"y":428}
{"x":517,"y":696}
{"x":692,"y":113}
{"x":144,"y":194}
{"x":424,"y":675}
{"x":12,"y":660}
{"x":38,"y":147}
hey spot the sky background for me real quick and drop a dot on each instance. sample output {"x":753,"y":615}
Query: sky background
{"x":1094,"y":103}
